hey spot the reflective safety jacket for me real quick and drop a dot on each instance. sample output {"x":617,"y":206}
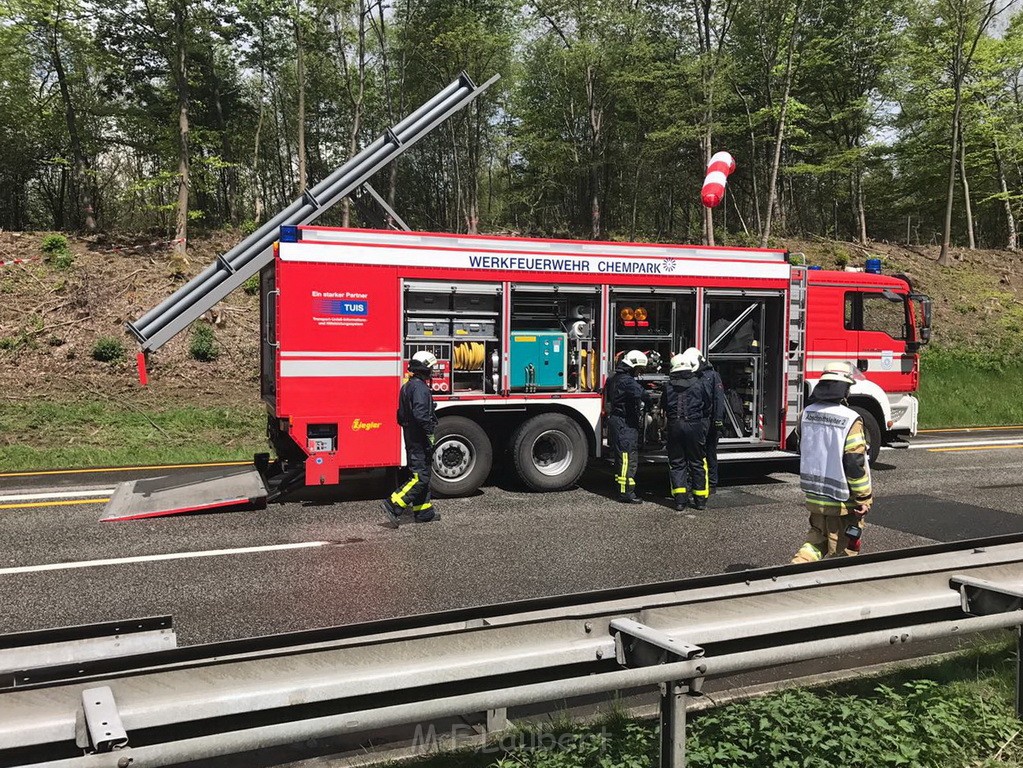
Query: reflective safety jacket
{"x":833,"y":469}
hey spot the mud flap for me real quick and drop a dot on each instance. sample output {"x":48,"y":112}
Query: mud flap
{"x":236,"y":488}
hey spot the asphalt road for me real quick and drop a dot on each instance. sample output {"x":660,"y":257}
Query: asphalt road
{"x":342,"y":565}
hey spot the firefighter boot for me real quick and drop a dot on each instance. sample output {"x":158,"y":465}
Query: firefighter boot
{"x":630,"y":498}
{"x":392,"y":512}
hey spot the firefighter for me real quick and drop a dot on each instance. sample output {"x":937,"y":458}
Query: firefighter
{"x":418,"y":421}
{"x":712,"y":380}
{"x":687,"y":403}
{"x":625,"y":400}
{"x":833,"y":469}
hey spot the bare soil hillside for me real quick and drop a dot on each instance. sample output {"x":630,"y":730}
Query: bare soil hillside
{"x":51,"y":319}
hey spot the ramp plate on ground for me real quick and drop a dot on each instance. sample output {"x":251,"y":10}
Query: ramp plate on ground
{"x":183,"y":492}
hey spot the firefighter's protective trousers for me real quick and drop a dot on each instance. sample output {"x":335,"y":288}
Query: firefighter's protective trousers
{"x":414,"y":495}
{"x":687,"y":458}
{"x":624,"y":442}
{"x":713,"y":435}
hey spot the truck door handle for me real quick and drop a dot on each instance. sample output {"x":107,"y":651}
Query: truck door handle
{"x":862,"y":364}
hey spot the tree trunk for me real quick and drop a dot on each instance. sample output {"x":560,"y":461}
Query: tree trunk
{"x":1010,"y":221}
{"x":300,"y":76}
{"x":82,"y":180}
{"x":596,"y":116}
{"x":179,"y":257}
{"x":944,"y":257}
{"x":861,"y":212}
{"x":227,"y":169}
{"x":966,"y":189}
{"x":257,"y":187}
{"x":772,"y":193}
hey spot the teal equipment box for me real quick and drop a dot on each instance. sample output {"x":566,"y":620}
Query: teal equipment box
{"x":539,"y":360}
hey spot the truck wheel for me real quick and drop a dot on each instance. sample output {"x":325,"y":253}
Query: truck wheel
{"x":462,"y":457}
{"x":549,"y":451}
{"x":873,"y":431}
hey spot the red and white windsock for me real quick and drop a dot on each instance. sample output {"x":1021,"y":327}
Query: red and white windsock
{"x":719,"y":168}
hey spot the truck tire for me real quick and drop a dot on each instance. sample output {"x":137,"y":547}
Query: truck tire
{"x":462,"y":457}
{"x":873,"y":432}
{"x":549,"y":452}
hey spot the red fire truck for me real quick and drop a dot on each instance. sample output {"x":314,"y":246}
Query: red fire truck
{"x":527,"y":331}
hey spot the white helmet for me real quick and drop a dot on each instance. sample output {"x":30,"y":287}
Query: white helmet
{"x":686,"y":361}
{"x":842,"y":372}
{"x":422,"y":362}
{"x":634,"y":359}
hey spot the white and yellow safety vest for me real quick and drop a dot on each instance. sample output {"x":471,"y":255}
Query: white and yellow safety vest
{"x":823,"y":432}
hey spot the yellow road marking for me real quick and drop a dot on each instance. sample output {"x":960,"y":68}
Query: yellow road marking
{"x":122,"y":469}
{"x":963,"y":429}
{"x":975,"y":448}
{"x":55,"y":503}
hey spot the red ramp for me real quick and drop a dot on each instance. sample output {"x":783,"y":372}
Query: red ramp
{"x":178,"y":493}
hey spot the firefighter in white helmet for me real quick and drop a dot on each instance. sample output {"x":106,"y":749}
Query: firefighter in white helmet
{"x":833,"y":469}
{"x":687,"y":404}
{"x":418,"y":421}
{"x":625,"y":399}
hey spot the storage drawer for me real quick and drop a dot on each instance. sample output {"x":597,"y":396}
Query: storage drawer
{"x":487,"y":328}
{"x":417,"y":326}
{"x":476,"y":302}
{"x":441,"y":302}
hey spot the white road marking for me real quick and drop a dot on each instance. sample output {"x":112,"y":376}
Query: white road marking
{"x":155,"y":558}
{"x":55,"y":495}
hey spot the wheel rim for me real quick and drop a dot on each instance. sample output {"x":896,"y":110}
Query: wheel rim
{"x":552,"y":453}
{"x":453,"y":458}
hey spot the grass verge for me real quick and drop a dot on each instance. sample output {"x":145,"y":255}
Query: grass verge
{"x":962,"y":391}
{"x":38,"y":434}
{"x":958,"y":713}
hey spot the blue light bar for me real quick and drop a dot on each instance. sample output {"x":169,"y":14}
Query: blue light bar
{"x":873,"y":266}
{"x":290,"y":233}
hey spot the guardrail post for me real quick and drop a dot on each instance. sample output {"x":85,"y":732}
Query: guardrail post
{"x":981,"y":597}
{"x":674,"y":698}
{"x":1019,"y":672}
{"x":637,"y":645}
{"x":497,"y":720}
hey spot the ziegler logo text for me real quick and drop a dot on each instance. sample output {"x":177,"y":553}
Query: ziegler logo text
{"x":365,"y":426}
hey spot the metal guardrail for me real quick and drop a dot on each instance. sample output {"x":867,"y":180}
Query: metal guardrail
{"x":193,"y":704}
{"x":232,"y":269}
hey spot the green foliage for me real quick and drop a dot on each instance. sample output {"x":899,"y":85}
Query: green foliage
{"x":960,"y":713}
{"x":251,"y":286}
{"x":202,"y":345}
{"x":54,"y":245}
{"x":58,"y":251}
{"x":950,"y":380}
{"x":108,"y":349}
{"x":70,"y":433}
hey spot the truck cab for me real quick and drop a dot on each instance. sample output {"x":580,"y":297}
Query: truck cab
{"x":878,"y":323}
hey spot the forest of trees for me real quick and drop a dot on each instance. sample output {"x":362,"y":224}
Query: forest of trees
{"x":883,"y":119}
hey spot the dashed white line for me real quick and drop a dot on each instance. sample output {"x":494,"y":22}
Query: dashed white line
{"x":155,"y":558}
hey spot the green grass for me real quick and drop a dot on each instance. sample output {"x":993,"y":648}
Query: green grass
{"x":36,"y":435}
{"x":959,"y":713}
{"x":963,"y":391}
